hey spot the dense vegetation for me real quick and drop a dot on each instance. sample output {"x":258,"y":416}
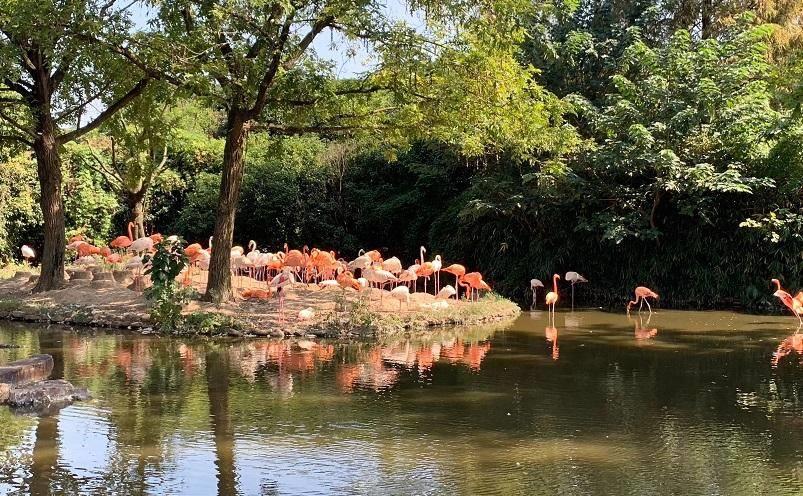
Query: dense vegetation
{"x":637,"y":143}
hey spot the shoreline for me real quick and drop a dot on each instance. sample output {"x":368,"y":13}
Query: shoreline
{"x":335,"y":313}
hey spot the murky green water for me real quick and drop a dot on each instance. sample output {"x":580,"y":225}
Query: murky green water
{"x":687,"y":403}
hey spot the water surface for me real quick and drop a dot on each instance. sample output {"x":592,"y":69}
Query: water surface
{"x":682,"y":403}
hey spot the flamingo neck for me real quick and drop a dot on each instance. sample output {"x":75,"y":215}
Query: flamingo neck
{"x":130,"y":231}
{"x":422,"y":255}
{"x":777,"y":284}
{"x":555,"y":283}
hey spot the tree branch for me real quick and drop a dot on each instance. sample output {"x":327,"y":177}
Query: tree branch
{"x":262,"y":93}
{"x":11,"y":137}
{"x":19,"y":127}
{"x":103,"y":116}
{"x":18,"y":87}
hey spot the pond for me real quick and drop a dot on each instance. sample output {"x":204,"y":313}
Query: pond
{"x":682,"y":403}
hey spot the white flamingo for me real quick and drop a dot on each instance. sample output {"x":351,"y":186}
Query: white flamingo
{"x":27,"y":254}
{"x":401,"y":293}
{"x":436,"y":266}
{"x":141,"y":245}
{"x":534,"y":285}
{"x":446,"y":292}
{"x":574,"y":277}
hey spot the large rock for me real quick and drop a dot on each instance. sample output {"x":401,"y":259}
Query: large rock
{"x":46,"y":394}
{"x":33,"y":369}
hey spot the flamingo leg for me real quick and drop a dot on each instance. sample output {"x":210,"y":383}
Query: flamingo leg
{"x":572,"y":296}
{"x":648,"y":304}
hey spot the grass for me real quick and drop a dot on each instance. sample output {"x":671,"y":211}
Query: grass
{"x":9,"y":305}
{"x":8,"y":270}
{"x":208,"y":324}
{"x":360,"y":319}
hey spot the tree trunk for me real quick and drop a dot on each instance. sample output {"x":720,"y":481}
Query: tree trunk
{"x":48,"y":167}
{"x":218,"y":288}
{"x":136,"y":209}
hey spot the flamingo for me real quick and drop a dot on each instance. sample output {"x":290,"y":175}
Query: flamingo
{"x":552,"y":296}
{"x":27,"y":254}
{"x":534,"y":285}
{"x":437,"y":264}
{"x":346,"y":280}
{"x":425,"y":269}
{"x":446,"y":292}
{"x":306,"y":314}
{"x":379,"y":277}
{"x":574,"y":277}
{"x":407,"y":276}
{"x":457,"y":271}
{"x":642,"y":293}
{"x":475,"y":282}
{"x":294,"y":259}
{"x":401,"y":293}
{"x":142,"y":244}
{"x":282,"y":279}
{"x":795,"y":304}
{"x":123,"y":242}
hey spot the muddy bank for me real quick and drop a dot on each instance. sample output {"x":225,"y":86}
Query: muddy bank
{"x":328,"y":312}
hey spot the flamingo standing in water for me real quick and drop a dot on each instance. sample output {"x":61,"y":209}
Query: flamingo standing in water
{"x":552,"y":296}
{"x":574,"y":277}
{"x":642,"y":293}
{"x":534,"y":285}
{"x":795,"y":304}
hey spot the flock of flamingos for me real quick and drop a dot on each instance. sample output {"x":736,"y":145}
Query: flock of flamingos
{"x":280,"y":269}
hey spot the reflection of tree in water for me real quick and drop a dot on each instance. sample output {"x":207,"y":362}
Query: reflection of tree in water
{"x":217,"y":380}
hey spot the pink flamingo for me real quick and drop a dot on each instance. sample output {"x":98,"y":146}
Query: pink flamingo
{"x":642,"y":293}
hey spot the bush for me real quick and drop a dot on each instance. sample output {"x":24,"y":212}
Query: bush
{"x":166,"y":295}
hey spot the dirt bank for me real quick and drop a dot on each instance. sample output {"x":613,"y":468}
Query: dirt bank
{"x":333,"y":312}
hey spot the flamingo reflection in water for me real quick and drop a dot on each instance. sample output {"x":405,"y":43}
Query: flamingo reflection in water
{"x":641,"y":332}
{"x":551,"y":333}
{"x":793,"y":344}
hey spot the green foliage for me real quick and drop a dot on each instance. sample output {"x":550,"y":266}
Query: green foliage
{"x":89,"y":204}
{"x":208,"y":324}
{"x":166,"y":295}
{"x":20,"y":217}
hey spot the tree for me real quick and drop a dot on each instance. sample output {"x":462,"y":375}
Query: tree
{"x":48,"y":80}
{"x":459,"y":80}
{"x":133,"y":152}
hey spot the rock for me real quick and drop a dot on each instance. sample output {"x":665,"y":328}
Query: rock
{"x":261,"y":332}
{"x":5,"y":389}
{"x":104,"y":283}
{"x":80,"y":275}
{"x":102,"y":275}
{"x":234,"y":333}
{"x":21,"y":274}
{"x":17,"y":314}
{"x":33,"y":369}
{"x":123,"y":277}
{"x":45,"y":394}
{"x":276,"y":333}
